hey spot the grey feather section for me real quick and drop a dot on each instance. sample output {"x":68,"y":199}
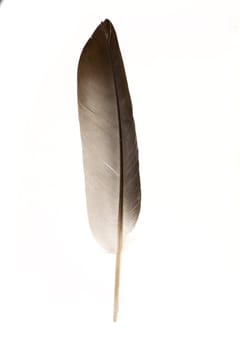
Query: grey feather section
{"x":109,"y":144}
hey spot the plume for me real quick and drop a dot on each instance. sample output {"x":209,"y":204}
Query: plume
{"x":109,"y":144}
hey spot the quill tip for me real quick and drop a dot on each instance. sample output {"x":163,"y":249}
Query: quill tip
{"x":115,"y":316}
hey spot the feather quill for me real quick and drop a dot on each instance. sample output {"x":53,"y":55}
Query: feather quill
{"x":109,"y":144}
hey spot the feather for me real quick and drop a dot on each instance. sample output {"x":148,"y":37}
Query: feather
{"x":109,"y":144}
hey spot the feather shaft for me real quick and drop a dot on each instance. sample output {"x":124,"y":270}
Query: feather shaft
{"x":117,"y":276}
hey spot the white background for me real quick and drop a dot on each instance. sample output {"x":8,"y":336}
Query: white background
{"x":181,"y":269}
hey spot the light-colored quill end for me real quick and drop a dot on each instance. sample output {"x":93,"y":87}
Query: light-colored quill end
{"x":117,"y":275}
